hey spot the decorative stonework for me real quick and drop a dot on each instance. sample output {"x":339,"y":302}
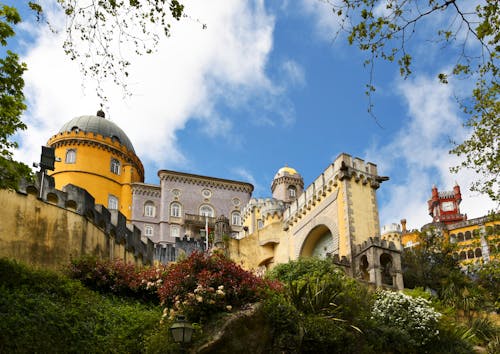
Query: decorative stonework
{"x":203,"y":181}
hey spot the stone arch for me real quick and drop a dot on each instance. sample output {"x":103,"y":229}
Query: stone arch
{"x":363,"y":268}
{"x":386,"y":268}
{"x":32,"y":190}
{"x":52,"y":198}
{"x":71,"y":204}
{"x":319,"y":242}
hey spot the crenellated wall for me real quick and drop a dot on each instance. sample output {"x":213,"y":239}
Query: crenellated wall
{"x":61,"y":225}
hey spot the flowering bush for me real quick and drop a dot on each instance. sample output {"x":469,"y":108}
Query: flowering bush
{"x":204,"y":284}
{"x":411,"y":315}
{"x":118,"y":277}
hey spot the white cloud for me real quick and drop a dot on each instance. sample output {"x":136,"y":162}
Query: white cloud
{"x":293,"y":72}
{"x":191,"y":71}
{"x":247,"y":176}
{"x":418,"y":155}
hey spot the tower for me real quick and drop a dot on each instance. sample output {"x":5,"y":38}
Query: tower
{"x":287,"y":185}
{"x":98,"y":156}
{"x":445,"y":206}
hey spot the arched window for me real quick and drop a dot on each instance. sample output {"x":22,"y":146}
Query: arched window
{"x":149,"y":209}
{"x":175,"y":210}
{"x":463,"y":255}
{"x":460,"y":237}
{"x":478,"y":253}
{"x":236,"y":218}
{"x":112,"y":202}
{"x":292,"y":191}
{"x":453,"y":238}
{"x":148,"y":231}
{"x":115,"y":166}
{"x":470,"y":254}
{"x":468,"y":235}
{"x":206,"y":210}
{"x":70,"y":156}
{"x":260,"y":224}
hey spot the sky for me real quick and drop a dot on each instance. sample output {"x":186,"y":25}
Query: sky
{"x":264,"y":85}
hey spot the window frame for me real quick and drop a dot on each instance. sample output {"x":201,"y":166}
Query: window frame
{"x":177,"y":229}
{"x":201,"y":212}
{"x":112,"y":199}
{"x":237,"y":215}
{"x":176,"y":206}
{"x":70,"y":157}
{"x":148,"y":228}
{"x":115,"y":166}
{"x":149,"y":209}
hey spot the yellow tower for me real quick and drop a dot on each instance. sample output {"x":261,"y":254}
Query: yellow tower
{"x":98,"y":156}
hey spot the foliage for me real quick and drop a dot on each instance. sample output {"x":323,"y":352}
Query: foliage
{"x":487,"y":276}
{"x":414,"y":316}
{"x":44,"y":312}
{"x":117,"y":277}
{"x":11,"y":102}
{"x":202,"y":285}
{"x":385,"y":29}
{"x":99,"y":34}
{"x":431,"y":264}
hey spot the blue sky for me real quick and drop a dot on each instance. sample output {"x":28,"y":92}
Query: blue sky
{"x":262,"y":86}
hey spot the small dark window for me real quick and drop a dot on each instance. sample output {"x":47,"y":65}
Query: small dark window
{"x":468,"y":235}
{"x":470,"y":254}
{"x":460,"y":237}
{"x":478,"y":252}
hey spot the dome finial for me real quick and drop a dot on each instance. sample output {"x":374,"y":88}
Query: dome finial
{"x":100,"y":113}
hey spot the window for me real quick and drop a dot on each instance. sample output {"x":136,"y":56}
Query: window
{"x":206,"y":210}
{"x":470,"y":254}
{"x":112,"y":202}
{"x":175,"y":210}
{"x":236,"y":218}
{"x":292,"y":191}
{"x":468,"y":235}
{"x":149,"y":209}
{"x":174,"y":231}
{"x":70,"y":156}
{"x":115,"y":166}
{"x":260,"y":224}
{"x":460,"y":237}
{"x":478,"y":253}
{"x":148,"y":231}
{"x":453,"y":238}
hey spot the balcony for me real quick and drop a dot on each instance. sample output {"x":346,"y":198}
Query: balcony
{"x":198,"y":220}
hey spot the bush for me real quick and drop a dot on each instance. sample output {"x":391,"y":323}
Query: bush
{"x":117,"y":277}
{"x":413,"y":316}
{"x":202,"y":285}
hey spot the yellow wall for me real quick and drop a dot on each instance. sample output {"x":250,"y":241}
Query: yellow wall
{"x":92,"y":168}
{"x":48,"y":236}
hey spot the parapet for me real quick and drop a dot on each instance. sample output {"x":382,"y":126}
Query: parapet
{"x":112,"y":222}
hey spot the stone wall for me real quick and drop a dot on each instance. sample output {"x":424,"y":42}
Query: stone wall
{"x":49,"y":231}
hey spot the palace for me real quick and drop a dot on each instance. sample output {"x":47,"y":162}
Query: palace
{"x":99,"y":176}
{"x":477,"y":240}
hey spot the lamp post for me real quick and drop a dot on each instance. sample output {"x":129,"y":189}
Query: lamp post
{"x":181,"y":330}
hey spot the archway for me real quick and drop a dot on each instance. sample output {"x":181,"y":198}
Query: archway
{"x":319,"y":243}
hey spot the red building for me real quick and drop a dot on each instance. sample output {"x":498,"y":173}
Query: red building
{"x":445,"y":206}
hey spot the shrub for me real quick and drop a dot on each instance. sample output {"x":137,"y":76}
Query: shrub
{"x":205,"y":284}
{"x":44,"y":312}
{"x":412,"y":316}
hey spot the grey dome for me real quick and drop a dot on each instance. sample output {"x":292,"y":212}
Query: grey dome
{"x":98,"y":125}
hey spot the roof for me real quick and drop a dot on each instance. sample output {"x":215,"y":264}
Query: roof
{"x":98,"y":125}
{"x":286,"y":170}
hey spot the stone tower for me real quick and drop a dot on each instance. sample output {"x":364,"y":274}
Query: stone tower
{"x":287,"y":185}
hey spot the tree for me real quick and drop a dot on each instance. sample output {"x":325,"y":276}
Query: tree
{"x":11,"y":102}
{"x":384,"y":32}
{"x":96,"y":33}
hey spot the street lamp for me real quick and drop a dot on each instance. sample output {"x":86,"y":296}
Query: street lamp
{"x":181,"y":330}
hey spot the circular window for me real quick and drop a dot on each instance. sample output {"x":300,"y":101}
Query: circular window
{"x":206,"y":193}
{"x":236,"y":201}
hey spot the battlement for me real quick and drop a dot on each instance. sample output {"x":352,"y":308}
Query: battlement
{"x":111,"y":222}
{"x":267,"y":206}
{"x":344,"y":167}
{"x":377,"y":242}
